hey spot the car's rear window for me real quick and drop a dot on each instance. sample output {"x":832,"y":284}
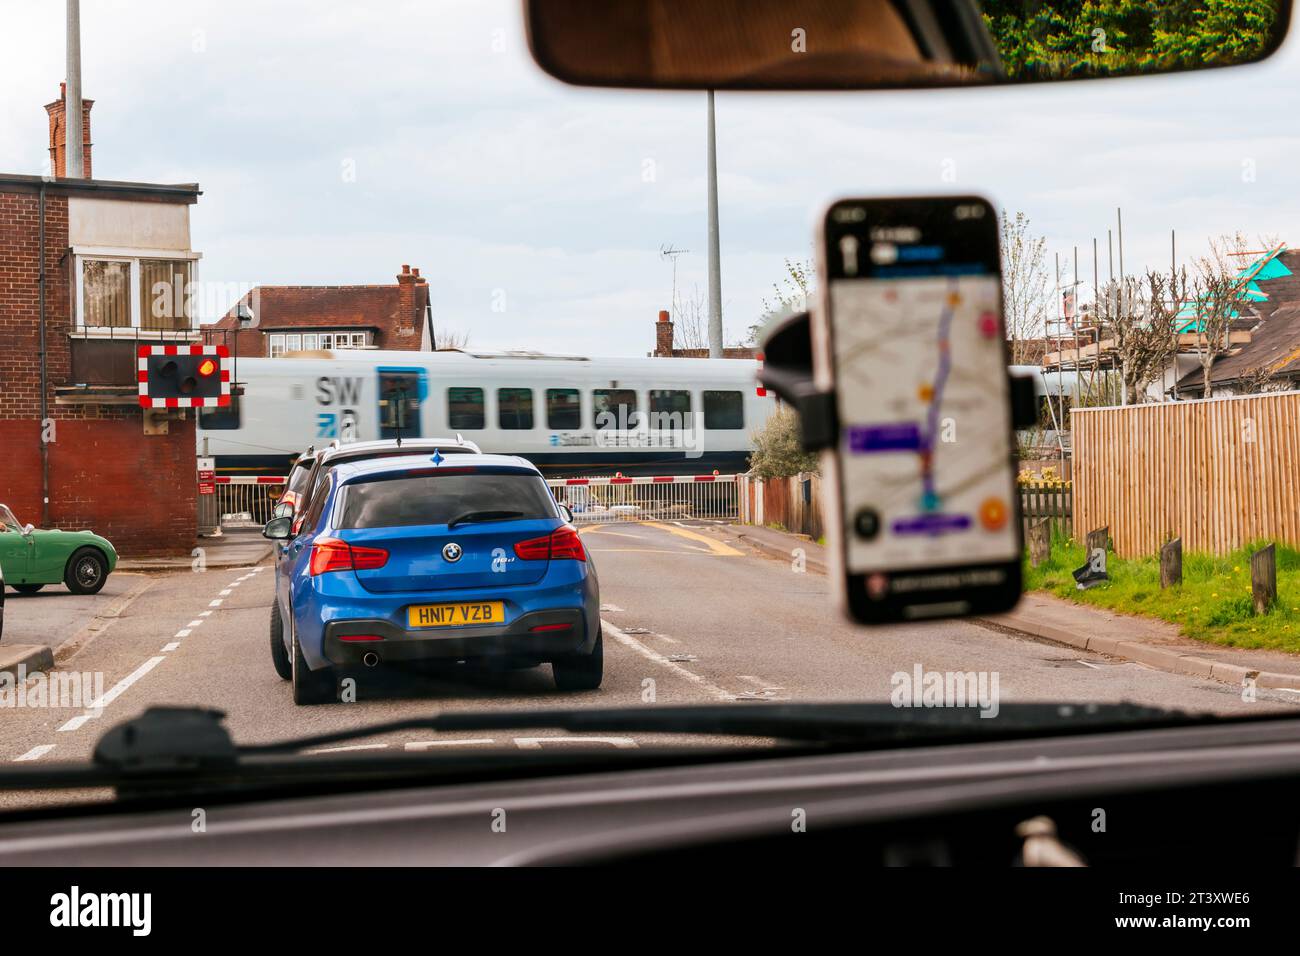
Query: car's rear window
{"x":438,"y":499}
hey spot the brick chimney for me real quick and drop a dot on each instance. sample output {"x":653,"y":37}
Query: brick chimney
{"x":59,"y":133}
{"x":412,"y":296}
{"x":664,"y":335}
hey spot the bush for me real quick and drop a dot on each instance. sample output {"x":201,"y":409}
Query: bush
{"x":777,"y":452}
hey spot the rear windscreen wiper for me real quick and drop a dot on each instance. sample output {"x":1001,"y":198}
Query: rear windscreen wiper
{"x":483,"y":516}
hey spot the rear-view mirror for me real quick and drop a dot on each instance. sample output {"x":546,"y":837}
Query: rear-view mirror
{"x":878,"y":44}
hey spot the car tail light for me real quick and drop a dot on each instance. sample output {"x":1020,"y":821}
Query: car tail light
{"x":560,"y":543}
{"x":565,"y":543}
{"x":551,"y":627}
{"x":360,"y":637}
{"x":331,"y":554}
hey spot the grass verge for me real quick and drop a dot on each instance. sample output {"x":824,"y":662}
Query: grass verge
{"x":1213,"y":603}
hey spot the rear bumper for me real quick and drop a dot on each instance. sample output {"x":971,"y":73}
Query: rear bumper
{"x":515,"y":640}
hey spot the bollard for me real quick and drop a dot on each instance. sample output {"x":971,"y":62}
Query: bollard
{"x":1171,"y":563}
{"x":1094,"y":571}
{"x":1263,"y":579}
{"x":1040,"y":541}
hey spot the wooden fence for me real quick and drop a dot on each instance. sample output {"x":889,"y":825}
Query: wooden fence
{"x":795,"y":504}
{"x":1052,"y":501}
{"x":1220,"y":472}
{"x":792,"y":503}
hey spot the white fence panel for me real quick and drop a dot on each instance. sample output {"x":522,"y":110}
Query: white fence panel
{"x":657,"y":498}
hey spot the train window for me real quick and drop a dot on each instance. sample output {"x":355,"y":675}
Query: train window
{"x":724,"y":410}
{"x":669,"y":408}
{"x":399,"y":404}
{"x":220,"y":417}
{"x":465,"y":409}
{"x":614,"y":408}
{"x":563,"y":409}
{"x":514,"y":408}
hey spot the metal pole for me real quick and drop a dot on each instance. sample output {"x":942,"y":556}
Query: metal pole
{"x":1119,"y":234}
{"x":1096,"y":321}
{"x":72,"y":98}
{"x":45,"y":447}
{"x":715,"y":268}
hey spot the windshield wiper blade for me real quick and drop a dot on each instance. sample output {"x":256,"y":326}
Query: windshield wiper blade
{"x":483,"y":516}
{"x":811,"y":722}
{"x":180,"y":749}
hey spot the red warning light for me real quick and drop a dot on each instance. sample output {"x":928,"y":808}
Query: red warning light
{"x":207,"y":367}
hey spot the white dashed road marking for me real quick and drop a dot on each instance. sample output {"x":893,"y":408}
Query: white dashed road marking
{"x":36,"y":753}
{"x":118,"y":690}
{"x":426,"y":744}
{"x":171,"y":647}
{"x":658,"y":658}
{"x":535,"y":743}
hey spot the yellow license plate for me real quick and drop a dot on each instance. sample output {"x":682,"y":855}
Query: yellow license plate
{"x":460,"y":613}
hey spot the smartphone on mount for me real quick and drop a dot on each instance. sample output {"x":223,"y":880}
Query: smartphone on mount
{"x":923,"y":511}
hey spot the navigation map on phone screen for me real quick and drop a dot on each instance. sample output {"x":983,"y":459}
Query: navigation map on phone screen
{"x":921,"y":380}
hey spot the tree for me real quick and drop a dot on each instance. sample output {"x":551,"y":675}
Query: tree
{"x":691,"y":321}
{"x":1056,"y":38}
{"x":1024,"y":286}
{"x":777,"y":449}
{"x":793,"y":291}
{"x":1140,"y":317}
{"x":1217,"y":298}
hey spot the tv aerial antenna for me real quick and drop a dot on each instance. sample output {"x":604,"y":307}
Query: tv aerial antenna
{"x":670,"y":252}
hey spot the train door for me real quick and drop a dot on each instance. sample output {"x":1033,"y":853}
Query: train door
{"x":400,"y":394}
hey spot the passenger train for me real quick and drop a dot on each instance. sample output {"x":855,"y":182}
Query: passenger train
{"x":569,"y":415}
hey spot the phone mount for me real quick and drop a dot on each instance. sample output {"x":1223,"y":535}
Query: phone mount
{"x":787,"y":370}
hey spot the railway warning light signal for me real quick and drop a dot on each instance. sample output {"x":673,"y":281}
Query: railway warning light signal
{"x":183,"y":376}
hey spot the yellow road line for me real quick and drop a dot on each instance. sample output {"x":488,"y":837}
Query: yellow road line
{"x":717,"y":547}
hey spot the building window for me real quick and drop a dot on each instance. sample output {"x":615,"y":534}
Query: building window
{"x":465,"y":409}
{"x":514,"y":408}
{"x":106,"y":293}
{"x":669,"y":409}
{"x":165,"y":290}
{"x":150,"y":295}
{"x":614,"y":408}
{"x":277,"y":343}
{"x":724,"y":410}
{"x":563,"y":410}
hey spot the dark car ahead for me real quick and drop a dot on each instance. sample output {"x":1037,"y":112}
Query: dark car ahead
{"x":428,"y":557}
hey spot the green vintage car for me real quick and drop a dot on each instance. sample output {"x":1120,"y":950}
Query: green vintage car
{"x":31,"y":558}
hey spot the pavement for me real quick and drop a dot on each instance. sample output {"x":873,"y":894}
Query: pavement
{"x":1153,"y":643}
{"x":239,"y":548}
{"x":691,"y":614}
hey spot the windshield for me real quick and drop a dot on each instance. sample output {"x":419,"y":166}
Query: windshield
{"x":7,"y":520}
{"x":377,"y":228}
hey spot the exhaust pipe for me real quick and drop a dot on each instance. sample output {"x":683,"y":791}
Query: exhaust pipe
{"x":371,"y":659}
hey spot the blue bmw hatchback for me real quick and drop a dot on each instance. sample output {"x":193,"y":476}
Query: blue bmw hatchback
{"x":423,"y":558}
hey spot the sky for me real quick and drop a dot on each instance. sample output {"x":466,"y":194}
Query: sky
{"x":335,"y":141}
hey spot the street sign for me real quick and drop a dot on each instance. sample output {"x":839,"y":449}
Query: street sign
{"x":183,"y":376}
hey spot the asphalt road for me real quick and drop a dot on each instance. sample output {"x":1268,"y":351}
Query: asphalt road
{"x":691,"y":615}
